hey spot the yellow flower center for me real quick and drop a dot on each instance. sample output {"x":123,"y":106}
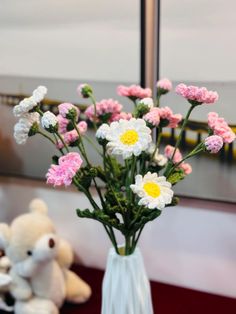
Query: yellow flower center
{"x":129,"y":137}
{"x":152,"y":189}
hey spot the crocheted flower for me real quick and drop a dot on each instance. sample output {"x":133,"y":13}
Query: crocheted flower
{"x":169,"y":150}
{"x":152,"y":117}
{"x":164,"y":86}
{"x":128,"y":138}
{"x":105,"y":110}
{"x":154,"y":191}
{"x":162,"y":116}
{"x":71,"y":137}
{"x":134,"y":91}
{"x":148,"y":102}
{"x":220,"y":127}
{"x":31,"y":102}
{"x":27,"y":126}
{"x":84,"y":90}
{"x":62,"y":124}
{"x":158,"y":159}
{"x":214,"y":143}
{"x":197,"y":95}
{"x":49,"y":122}
{"x":64,"y":172}
{"x":187,"y":168}
{"x":122,"y":115}
{"x":69,"y":111}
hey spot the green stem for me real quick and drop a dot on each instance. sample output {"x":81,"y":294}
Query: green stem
{"x":63,"y":142}
{"x":46,"y":136}
{"x":136,"y":240}
{"x":198,"y":149}
{"x":182,"y":130}
{"x":93,"y":145}
{"x":158,"y":142}
{"x":95,"y":109}
{"x":158,"y":101}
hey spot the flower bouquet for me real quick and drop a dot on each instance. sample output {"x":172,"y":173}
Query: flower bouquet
{"x":137,"y":178}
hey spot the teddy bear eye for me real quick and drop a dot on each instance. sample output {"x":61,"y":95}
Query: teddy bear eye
{"x":29,"y":253}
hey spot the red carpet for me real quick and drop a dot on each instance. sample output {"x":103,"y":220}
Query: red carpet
{"x":167,"y":299}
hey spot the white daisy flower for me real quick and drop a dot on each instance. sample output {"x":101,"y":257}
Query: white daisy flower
{"x":49,"y":120}
{"x":27,"y":124}
{"x":128,"y":137}
{"x":154,"y":191}
{"x":102,"y":131}
{"x":29,"y":103}
{"x":147,"y":102}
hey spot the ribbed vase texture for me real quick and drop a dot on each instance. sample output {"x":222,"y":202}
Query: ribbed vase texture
{"x":126,"y":288}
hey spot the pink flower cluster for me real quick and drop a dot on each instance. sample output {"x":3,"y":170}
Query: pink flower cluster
{"x":64,"y":172}
{"x":155,"y":115}
{"x":198,"y":94}
{"x":72,"y":136}
{"x":134,"y":91}
{"x":62,"y":124}
{"x":220,"y":127}
{"x":164,"y":84}
{"x":214,"y":143}
{"x":122,"y":115}
{"x":103,"y":107}
{"x":169,"y":150}
{"x":66,"y":108}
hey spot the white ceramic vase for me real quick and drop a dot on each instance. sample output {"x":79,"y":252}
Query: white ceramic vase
{"x":126,"y":288}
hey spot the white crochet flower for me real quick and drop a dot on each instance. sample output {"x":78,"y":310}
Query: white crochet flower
{"x":128,"y":137}
{"x":29,"y":103}
{"x":39,"y":93}
{"x":49,"y":120}
{"x":23,"y":127}
{"x":147,"y":102}
{"x":102,"y":131}
{"x":158,"y":159}
{"x":154,"y":191}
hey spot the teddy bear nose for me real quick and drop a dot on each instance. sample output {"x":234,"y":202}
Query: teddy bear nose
{"x":51,"y":243}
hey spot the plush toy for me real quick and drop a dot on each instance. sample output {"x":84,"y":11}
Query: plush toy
{"x":5,"y":281}
{"x":41,"y":279}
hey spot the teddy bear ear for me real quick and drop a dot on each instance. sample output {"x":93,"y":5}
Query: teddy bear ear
{"x":38,"y":206}
{"x":5,"y":235}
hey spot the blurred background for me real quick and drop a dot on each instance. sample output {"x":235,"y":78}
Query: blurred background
{"x":60,"y":44}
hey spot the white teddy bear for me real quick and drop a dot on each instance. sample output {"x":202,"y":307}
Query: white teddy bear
{"x":41,"y":280}
{"x":5,"y":280}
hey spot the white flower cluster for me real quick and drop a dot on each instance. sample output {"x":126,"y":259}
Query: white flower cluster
{"x":158,"y":159}
{"x":29,"y":103}
{"x":49,"y":120}
{"x":148,"y":102}
{"x":23,"y":127}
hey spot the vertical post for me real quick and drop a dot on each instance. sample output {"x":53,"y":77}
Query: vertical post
{"x":150,"y":42}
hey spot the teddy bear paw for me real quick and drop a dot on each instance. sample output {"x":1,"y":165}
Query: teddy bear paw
{"x":36,"y":306}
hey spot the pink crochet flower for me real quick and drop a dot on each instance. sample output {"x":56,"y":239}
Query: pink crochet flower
{"x":62,"y":124}
{"x":153,"y":117}
{"x":197,"y":94}
{"x":66,"y":109}
{"x":220,"y":127}
{"x":157,"y":115}
{"x":105,"y":106}
{"x":72,"y":136}
{"x":169,"y":150}
{"x":134,"y":91}
{"x":84,"y":90}
{"x":64,"y":172}
{"x":167,"y":114}
{"x":122,"y":115}
{"x":187,"y":168}
{"x":214,"y":143}
{"x":164,"y":84}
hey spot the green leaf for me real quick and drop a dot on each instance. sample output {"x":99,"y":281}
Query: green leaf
{"x":176,"y":177}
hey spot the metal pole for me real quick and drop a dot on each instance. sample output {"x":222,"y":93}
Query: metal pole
{"x":150,"y":42}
